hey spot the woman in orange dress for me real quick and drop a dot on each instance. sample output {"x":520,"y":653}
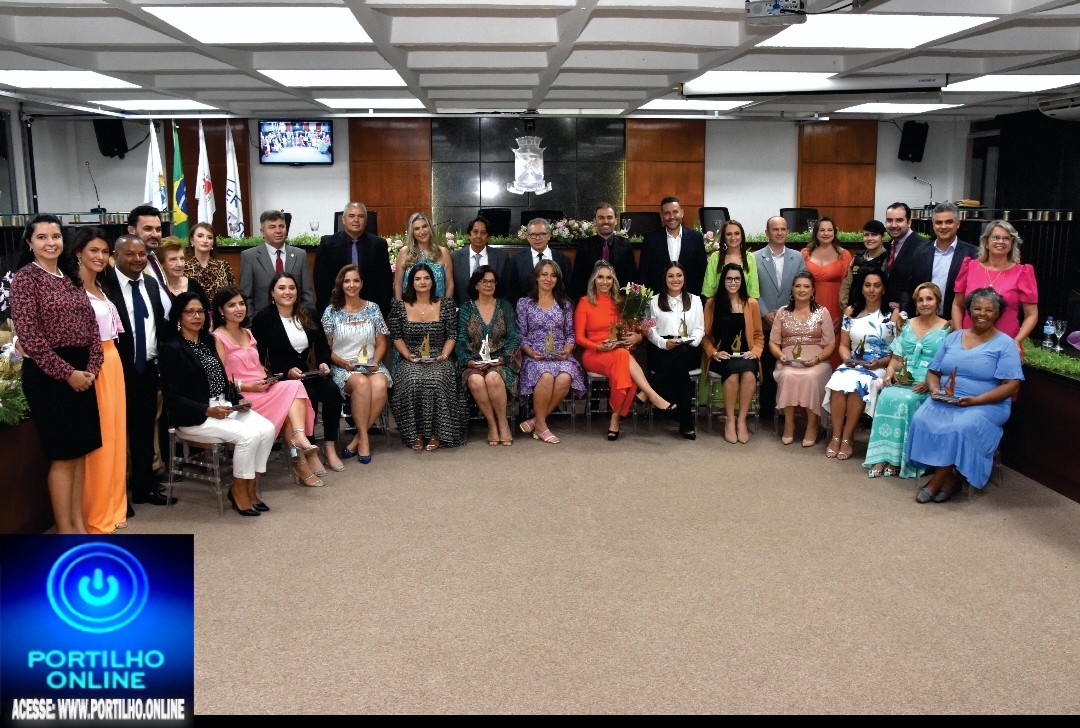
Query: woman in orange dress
{"x":828,"y":263}
{"x":594,"y":317}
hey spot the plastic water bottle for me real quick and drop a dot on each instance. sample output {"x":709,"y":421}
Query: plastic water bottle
{"x":1048,"y":333}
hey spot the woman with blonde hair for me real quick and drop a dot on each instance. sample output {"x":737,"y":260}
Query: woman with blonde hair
{"x":422,"y":247}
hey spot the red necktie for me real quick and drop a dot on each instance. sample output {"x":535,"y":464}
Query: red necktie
{"x":156,"y":268}
{"x":277,"y":265}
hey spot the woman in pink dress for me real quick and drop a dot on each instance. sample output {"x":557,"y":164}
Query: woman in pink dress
{"x":998,"y":266}
{"x":284,"y":402}
{"x":828,"y":263}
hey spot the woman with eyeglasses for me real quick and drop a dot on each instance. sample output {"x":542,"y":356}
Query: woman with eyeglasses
{"x":195,"y":388}
{"x":734,"y":340}
{"x":998,"y":266}
{"x":486,"y":326}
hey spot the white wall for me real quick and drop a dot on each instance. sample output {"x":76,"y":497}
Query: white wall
{"x":751,"y":168}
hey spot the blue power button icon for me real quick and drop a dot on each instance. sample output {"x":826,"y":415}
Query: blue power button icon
{"x":97,"y":587}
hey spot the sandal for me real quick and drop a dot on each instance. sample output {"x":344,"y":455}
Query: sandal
{"x":844,"y":454}
{"x":831,"y":453}
{"x":890,"y":471}
{"x":547,"y":437}
{"x":417,"y":444}
{"x":528,"y":425}
{"x":507,"y":443}
{"x":433,"y":444}
{"x":876,"y":472}
{"x":302,"y":448}
{"x":493,"y":441}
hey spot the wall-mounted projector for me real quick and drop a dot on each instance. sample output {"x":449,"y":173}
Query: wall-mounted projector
{"x":775,"y":12}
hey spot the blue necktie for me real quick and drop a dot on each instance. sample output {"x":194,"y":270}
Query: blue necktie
{"x":138,"y":305}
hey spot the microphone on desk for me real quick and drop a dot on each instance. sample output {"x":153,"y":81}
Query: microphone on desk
{"x":920,"y":179}
{"x":99,"y":210}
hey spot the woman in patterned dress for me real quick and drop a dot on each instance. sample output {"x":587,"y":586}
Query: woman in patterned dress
{"x":358,"y":341}
{"x":869,"y":327}
{"x":427,"y":400}
{"x":911,"y":351}
{"x":422,"y":247}
{"x":213,"y":274}
{"x":486,"y":318}
{"x":545,"y":319}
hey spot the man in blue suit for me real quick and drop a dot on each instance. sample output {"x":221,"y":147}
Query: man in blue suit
{"x":940,"y":261}
{"x":777,"y":265}
{"x":354,"y":245}
{"x":673,"y":242}
{"x":524,"y":262}
{"x":467,"y":259}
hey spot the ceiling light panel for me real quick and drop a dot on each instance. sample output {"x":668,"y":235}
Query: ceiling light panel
{"x":61,"y":79}
{"x":1018,"y":83}
{"x":249,"y":25}
{"x":155,"y":104}
{"x":886,"y":108}
{"x":326,"y":78}
{"x":871,"y":31}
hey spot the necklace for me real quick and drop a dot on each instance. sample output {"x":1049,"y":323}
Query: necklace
{"x":994,"y":280}
{"x":54,"y":275}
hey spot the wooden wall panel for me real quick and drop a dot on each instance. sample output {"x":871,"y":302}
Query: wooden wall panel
{"x":390,"y":168}
{"x":649,"y":182}
{"x":837,"y":170}
{"x":665,"y":140}
{"x":214,"y":132}
{"x":665,"y":157}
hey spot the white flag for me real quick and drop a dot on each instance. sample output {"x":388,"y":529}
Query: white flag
{"x":207,"y":206}
{"x":234,"y":204}
{"x":155,"y":193}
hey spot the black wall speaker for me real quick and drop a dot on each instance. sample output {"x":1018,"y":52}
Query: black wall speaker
{"x":110,"y":137}
{"x":913,"y":141}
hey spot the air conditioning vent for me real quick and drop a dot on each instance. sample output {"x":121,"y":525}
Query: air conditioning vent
{"x":1062,"y":106}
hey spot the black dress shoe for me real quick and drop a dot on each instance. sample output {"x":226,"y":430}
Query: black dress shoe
{"x":130,"y":511}
{"x":260,"y":507}
{"x":154,"y":499}
{"x":242,"y":511}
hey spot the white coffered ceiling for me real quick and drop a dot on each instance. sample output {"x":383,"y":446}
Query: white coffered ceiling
{"x":609,"y":57}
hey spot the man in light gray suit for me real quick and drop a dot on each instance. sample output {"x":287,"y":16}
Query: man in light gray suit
{"x":258,"y":265}
{"x":467,"y":260}
{"x":777,"y":265}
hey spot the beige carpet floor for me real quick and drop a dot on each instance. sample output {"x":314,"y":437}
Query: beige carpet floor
{"x":651,"y":575}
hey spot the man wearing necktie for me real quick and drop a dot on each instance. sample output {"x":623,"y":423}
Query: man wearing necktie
{"x":606,"y":245}
{"x":907,"y":247}
{"x":523,"y":263}
{"x":354,"y":244}
{"x":477,"y":253}
{"x":145,"y":223}
{"x":259,"y":265}
{"x":137,"y":298}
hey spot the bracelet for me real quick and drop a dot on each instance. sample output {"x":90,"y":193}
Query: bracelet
{"x":239,"y":385}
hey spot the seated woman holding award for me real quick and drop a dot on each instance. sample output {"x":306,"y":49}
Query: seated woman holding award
{"x":733,"y":344}
{"x":971,"y":382}
{"x":802,"y":341}
{"x":905,"y":386}
{"x":357,"y":336}
{"x":427,"y":400}
{"x":606,"y":349}
{"x":486,"y":346}
{"x":545,"y":319}
{"x":287,"y":337}
{"x":674,"y":344}
{"x":869,"y":326}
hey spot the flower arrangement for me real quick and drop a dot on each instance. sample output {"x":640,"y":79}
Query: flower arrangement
{"x":633,"y":306}
{"x":13,"y":407}
{"x":566,"y":230}
{"x":5,"y":296}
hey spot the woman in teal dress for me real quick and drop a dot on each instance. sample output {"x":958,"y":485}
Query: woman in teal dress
{"x":913,"y":349}
{"x":490,"y":378}
{"x":422,"y":247}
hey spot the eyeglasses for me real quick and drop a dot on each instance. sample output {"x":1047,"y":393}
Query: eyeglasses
{"x":533,"y":236}
{"x":486,"y":282}
{"x":1000,"y":238}
{"x":194,"y":311}
{"x":736,"y":279}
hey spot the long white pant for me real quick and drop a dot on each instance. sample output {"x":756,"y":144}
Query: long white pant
{"x":251,"y":435}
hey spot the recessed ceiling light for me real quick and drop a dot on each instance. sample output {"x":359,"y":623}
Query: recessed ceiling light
{"x":690,"y":105}
{"x":265,"y":25}
{"x":885,"y":108}
{"x":372,"y":103}
{"x":1019,"y":83}
{"x":326,"y":78}
{"x":729,"y":83}
{"x":871,"y":31}
{"x":61,"y":79}
{"x":156,"y":105}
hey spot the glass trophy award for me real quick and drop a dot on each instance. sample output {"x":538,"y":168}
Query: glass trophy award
{"x":683,"y":331}
{"x":425,"y":348}
{"x":485,"y":352}
{"x":362,"y":357}
{"x":613,"y":331}
{"x":736,"y":346}
{"x":948,"y":389}
{"x":549,"y":343}
{"x":796,"y":353}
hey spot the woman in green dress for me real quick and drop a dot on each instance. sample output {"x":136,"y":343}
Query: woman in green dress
{"x":904,"y":386}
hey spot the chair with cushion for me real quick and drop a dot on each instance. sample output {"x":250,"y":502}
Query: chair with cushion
{"x":711,"y":218}
{"x":799,"y":218}
{"x":641,"y":222}
{"x":549,"y":215}
{"x":498,"y":220}
{"x":372,"y":222}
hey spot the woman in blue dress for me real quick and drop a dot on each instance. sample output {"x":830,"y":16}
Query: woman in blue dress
{"x":971,"y":381}
{"x":869,"y":326}
{"x":422,"y":247}
{"x":905,"y":386}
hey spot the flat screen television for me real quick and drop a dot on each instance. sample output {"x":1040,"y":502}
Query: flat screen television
{"x":296,"y":143}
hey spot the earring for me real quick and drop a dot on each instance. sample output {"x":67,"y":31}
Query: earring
{"x":177,"y":325}
{"x":725,"y":246}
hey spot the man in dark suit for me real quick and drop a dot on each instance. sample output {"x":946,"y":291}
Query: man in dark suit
{"x":941,"y":260}
{"x":354,"y":245}
{"x":136,"y":297}
{"x":902,"y":255}
{"x":673,"y":242}
{"x":259,"y":264}
{"x":777,"y":265}
{"x":523,"y":262}
{"x":466,"y":260}
{"x":605,"y":245}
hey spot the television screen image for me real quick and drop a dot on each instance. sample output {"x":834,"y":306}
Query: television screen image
{"x":296,"y":142}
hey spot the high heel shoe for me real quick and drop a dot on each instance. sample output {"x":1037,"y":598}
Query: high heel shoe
{"x":260,"y":507}
{"x":311,"y":481}
{"x":242,"y":511}
{"x":302,"y":448}
{"x":364,"y":459}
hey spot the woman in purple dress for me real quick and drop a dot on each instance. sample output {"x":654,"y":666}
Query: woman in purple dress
{"x":545,"y":320}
